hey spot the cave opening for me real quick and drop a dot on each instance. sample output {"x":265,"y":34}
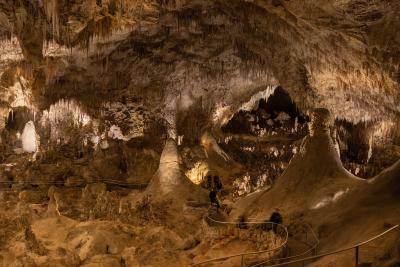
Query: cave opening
{"x":277,"y":110}
{"x":264,"y":139}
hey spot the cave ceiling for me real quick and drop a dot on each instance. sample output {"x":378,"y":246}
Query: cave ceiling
{"x":157,"y":56}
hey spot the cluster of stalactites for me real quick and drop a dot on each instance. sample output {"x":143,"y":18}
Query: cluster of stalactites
{"x":105,"y":18}
{"x":65,"y":109}
{"x":381,"y":130}
{"x":255,"y":99}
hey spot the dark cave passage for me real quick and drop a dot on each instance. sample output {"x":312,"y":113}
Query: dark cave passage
{"x":264,"y":139}
{"x":279,"y":110}
{"x":280,"y":101}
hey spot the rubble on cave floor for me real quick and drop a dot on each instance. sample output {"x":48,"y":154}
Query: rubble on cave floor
{"x":94,"y":224}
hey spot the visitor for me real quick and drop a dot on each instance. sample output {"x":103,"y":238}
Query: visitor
{"x":209,"y":182}
{"x":214,"y":198}
{"x":214,"y":185}
{"x":276,"y":218}
{"x":241,"y":222}
{"x":213,"y":182}
{"x":217,"y":183}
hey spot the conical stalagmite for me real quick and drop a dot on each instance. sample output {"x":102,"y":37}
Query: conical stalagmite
{"x":314,"y":178}
{"x":169,"y":182}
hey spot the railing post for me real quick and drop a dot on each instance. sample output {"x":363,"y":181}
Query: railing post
{"x":357,"y":256}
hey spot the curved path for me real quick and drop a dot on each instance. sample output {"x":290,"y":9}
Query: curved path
{"x":242,"y":255}
{"x":291,"y":259}
{"x":355,"y":246}
{"x":311,"y":250}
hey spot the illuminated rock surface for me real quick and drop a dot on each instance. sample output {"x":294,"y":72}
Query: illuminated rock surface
{"x":114,"y":112}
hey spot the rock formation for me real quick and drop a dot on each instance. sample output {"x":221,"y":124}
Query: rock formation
{"x":108,"y":106}
{"x":169,"y":182}
{"x":315,"y":176}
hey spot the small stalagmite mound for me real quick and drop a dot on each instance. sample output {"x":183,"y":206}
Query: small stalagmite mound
{"x":169,"y":182}
{"x":314,"y":178}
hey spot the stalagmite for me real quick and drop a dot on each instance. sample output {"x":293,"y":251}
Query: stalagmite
{"x":169,"y":182}
{"x":314,"y":174}
{"x":29,"y":140}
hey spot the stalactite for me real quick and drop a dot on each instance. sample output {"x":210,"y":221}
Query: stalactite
{"x":65,"y":110}
{"x":51,"y":9}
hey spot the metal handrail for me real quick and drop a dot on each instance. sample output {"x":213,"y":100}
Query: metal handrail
{"x":313,"y":248}
{"x":356,"y":246}
{"x":246,"y":253}
{"x":108,"y":181}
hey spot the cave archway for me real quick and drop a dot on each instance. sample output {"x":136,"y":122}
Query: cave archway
{"x":269,"y":112}
{"x":264,"y":139}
